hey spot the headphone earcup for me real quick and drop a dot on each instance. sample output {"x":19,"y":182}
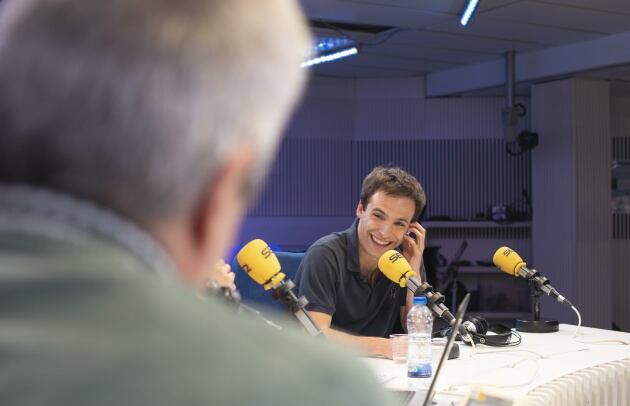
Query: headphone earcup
{"x":481,"y":325}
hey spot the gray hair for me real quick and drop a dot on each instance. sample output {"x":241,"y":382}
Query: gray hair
{"x":134,"y":104}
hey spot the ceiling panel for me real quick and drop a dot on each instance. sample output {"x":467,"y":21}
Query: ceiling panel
{"x":553,"y":15}
{"x":406,"y":63}
{"x":440,"y":7}
{"x":468,"y":42}
{"x":614,"y":6}
{"x":430,"y":37}
{"x":518,"y":31}
{"x":346,"y":69}
{"x":445,"y":55}
{"x":377,"y":14}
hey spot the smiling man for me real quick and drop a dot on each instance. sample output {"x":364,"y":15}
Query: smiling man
{"x":350,"y":299}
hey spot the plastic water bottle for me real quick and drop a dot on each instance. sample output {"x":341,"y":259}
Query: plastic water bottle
{"x":419,"y":357}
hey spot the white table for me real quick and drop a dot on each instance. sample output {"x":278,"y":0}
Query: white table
{"x":546,"y":369}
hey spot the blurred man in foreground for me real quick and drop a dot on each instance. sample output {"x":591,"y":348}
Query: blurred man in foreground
{"x":132,"y":133}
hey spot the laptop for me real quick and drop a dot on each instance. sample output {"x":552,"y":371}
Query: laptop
{"x":423,"y":397}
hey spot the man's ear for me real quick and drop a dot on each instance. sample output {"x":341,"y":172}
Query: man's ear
{"x":360,"y":209}
{"x":220,"y":212}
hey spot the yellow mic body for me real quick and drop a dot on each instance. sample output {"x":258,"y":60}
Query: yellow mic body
{"x":508,"y":261}
{"x":260,"y":263}
{"x":395,"y":267}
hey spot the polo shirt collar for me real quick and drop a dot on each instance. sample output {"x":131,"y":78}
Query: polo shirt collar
{"x":352,"y":248}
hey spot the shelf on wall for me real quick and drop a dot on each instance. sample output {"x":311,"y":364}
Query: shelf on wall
{"x":478,"y":270}
{"x":476,"y":224}
{"x":620,"y":169}
{"x":473,"y":270}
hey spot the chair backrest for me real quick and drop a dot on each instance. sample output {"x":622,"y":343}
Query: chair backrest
{"x":253,"y":294}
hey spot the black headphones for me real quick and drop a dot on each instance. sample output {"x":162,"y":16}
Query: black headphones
{"x":478,"y":328}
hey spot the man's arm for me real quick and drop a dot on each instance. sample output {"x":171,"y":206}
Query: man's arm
{"x":367,"y":345}
{"x":317,"y":281}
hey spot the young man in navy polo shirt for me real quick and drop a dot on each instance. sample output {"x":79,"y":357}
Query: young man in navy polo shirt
{"x":349,"y":298}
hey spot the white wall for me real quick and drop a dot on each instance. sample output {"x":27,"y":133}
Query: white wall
{"x":396,"y":109}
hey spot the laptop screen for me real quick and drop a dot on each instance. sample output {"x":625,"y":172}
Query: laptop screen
{"x":447,"y":349}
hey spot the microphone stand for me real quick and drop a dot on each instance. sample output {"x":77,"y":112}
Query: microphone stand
{"x":452,"y":273}
{"x":233,"y":297}
{"x":537,"y":325}
{"x":296,"y":305}
{"x":435,"y":302}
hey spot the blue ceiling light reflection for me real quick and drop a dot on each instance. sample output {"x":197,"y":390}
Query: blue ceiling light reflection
{"x":328,"y":49}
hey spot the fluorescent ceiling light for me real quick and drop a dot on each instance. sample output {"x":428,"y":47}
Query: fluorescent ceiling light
{"x":468,"y":12}
{"x":330,"y":57}
{"x":327,"y":44}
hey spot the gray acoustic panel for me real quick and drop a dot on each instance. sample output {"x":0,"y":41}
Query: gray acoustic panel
{"x":310,"y":178}
{"x":572,"y":231}
{"x":620,"y":131}
{"x":462,"y":178}
{"x":621,"y":226}
{"x":495,"y":232}
{"x":621,"y":148}
{"x":621,"y":221}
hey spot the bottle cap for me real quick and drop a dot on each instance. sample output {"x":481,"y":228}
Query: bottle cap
{"x":420,"y":300}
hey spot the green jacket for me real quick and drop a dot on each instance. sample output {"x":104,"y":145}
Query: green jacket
{"x":85,"y":321}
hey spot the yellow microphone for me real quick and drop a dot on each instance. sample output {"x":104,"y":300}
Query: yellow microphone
{"x":507,"y":260}
{"x":260,"y":263}
{"x":396,"y":268}
{"x":394,"y":265}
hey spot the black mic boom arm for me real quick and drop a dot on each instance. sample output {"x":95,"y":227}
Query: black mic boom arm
{"x":544,"y":285}
{"x":435,"y":302}
{"x":283,"y":291}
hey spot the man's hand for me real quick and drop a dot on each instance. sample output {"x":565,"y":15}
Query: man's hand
{"x":413,"y":249}
{"x":386,"y":348}
{"x":220,"y":275}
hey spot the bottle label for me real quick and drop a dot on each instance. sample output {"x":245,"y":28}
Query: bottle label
{"x":419,"y":370}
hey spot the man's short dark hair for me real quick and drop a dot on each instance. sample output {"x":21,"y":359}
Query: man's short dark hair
{"x":394,"y":182}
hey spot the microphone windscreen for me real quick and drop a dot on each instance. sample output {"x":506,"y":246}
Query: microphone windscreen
{"x":508,"y":261}
{"x":395,"y":267}
{"x":260,"y":263}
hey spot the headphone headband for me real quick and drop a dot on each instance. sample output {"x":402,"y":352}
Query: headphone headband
{"x":502,"y":336}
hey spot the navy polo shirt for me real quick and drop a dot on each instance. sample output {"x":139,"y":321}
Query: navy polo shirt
{"x":329,"y":278}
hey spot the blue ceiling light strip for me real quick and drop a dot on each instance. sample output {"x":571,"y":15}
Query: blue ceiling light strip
{"x":468,"y":12}
{"x":331,"y":44}
{"x":330,"y":57}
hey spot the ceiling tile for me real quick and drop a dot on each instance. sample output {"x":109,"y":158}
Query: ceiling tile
{"x":561,"y":16}
{"x":490,"y":27}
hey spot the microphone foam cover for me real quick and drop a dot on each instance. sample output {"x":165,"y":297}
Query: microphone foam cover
{"x":259,"y":261}
{"x":508,"y":261}
{"x":395,"y":267}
